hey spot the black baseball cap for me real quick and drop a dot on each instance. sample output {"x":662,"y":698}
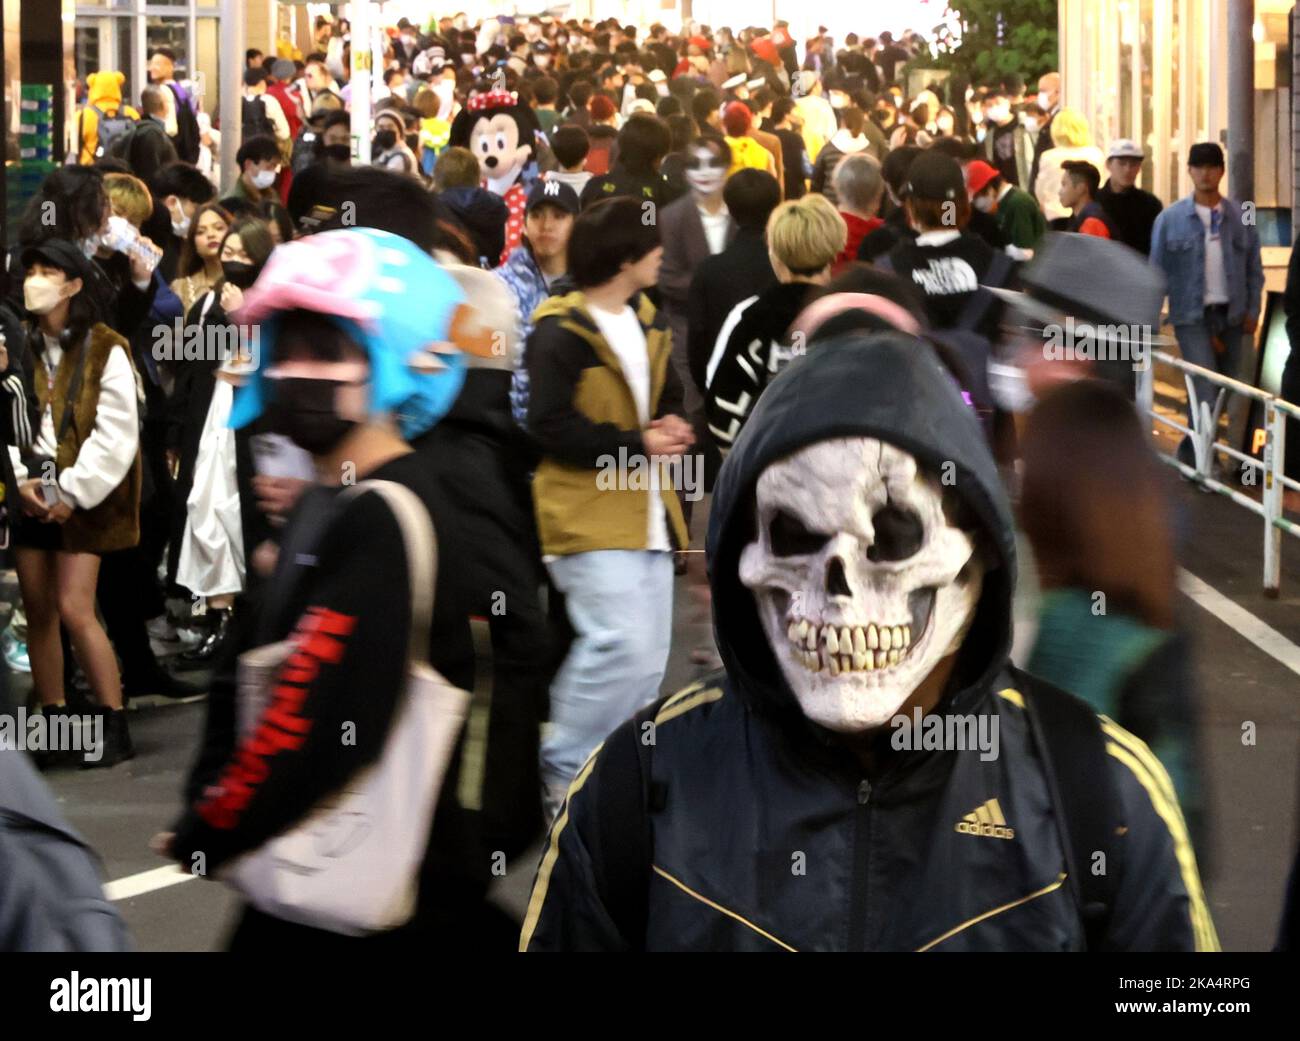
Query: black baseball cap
{"x":59,"y":253}
{"x":553,"y":193}
{"x":1205,"y":153}
{"x":935,"y":176}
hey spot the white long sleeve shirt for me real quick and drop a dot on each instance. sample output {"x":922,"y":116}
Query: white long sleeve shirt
{"x":107,"y":454}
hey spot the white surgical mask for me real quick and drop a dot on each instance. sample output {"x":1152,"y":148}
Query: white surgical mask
{"x":41,"y":294}
{"x":90,"y":246}
{"x":999,"y":114}
{"x":983,"y":203}
{"x":263,"y":179}
{"x":1044,"y":101}
{"x":541,"y":60}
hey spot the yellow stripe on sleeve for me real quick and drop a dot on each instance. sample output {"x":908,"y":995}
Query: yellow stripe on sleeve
{"x":1151,"y":775}
{"x":538,"y":897}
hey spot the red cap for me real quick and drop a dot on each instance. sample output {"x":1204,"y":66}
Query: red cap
{"x":737,"y":119}
{"x":765,"y":49}
{"x":978,"y":175}
{"x":702,"y":42}
{"x":601,"y":107}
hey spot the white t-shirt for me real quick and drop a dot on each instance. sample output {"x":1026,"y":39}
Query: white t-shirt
{"x":1216,"y":278}
{"x":715,"y":228}
{"x":623,"y":332}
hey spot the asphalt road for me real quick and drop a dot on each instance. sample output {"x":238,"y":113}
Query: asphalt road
{"x":1254,"y":788}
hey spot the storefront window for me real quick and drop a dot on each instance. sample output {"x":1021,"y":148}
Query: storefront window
{"x":102,"y":43}
{"x":207,"y":84}
{"x":1144,"y":131}
{"x":1175,"y":157}
{"x":172,"y":33}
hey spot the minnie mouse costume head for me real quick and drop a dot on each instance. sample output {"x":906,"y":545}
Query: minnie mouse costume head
{"x":501,"y":134}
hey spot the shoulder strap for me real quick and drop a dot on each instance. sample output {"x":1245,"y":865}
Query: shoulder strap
{"x":623,"y":829}
{"x":972,"y":314}
{"x":421,"y":556}
{"x":1068,"y":733}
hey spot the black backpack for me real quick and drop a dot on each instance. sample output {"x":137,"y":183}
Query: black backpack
{"x":256,"y":122}
{"x":1065,"y":729}
{"x":109,"y":127}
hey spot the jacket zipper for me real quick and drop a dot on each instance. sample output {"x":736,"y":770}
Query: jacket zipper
{"x":861,"y":861}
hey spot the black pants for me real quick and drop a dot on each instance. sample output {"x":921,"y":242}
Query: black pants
{"x":128,"y":597}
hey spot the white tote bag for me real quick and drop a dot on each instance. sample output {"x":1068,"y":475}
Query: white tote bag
{"x":352,"y":864}
{"x":211,"y":560}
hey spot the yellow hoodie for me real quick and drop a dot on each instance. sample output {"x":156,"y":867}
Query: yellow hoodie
{"x":103,"y":91}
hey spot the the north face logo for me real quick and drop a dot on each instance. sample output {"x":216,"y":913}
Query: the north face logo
{"x":986,"y":821}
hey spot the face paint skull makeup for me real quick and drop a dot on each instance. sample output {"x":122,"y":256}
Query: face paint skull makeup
{"x":863,"y":585}
{"x":705,"y":170}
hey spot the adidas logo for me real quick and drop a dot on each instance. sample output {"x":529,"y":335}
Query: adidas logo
{"x":986,"y":820}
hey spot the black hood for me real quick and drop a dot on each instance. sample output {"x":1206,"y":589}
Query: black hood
{"x":887,"y":386}
{"x":483,"y":214}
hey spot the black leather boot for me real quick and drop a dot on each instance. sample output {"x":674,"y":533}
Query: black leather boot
{"x":116,"y":744}
{"x":60,"y":722}
{"x":202,"y":655}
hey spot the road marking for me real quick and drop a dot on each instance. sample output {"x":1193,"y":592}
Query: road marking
{"x":146,"y":882}
{"x":1263,"y":636}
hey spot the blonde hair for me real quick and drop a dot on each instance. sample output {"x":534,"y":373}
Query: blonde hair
{"x":806,"y":234}
{"x":1070,"y":129}
{"x":129,"y":197}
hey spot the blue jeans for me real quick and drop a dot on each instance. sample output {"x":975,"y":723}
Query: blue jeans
{"x":1194,"y":343}
{"x":620,"y":604}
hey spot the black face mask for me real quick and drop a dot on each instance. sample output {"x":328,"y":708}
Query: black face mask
{"x":239,"y":274}
{"x":384,"y":140}
{"x":303,"y":411}
{"x":339,"y":153}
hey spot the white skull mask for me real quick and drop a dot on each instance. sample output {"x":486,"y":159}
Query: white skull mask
{"x":862,"y":584}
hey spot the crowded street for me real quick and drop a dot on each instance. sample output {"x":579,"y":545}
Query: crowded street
{"x":650,"y":477}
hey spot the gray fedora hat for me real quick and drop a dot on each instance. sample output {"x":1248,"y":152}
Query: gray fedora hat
{"x":1091,"y":279}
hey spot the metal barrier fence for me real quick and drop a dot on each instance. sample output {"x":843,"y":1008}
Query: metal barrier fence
{"x":1206,"y":447}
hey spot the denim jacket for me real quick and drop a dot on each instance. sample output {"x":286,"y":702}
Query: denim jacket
{"x":1178,"y":249}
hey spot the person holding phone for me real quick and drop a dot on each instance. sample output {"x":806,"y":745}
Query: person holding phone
{"x":77,"y":469}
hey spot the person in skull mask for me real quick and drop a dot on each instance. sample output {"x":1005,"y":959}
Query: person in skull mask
{"x":861,"y":553}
